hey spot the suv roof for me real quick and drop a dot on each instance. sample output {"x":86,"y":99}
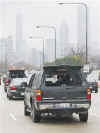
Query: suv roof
{"x":55,"y":67}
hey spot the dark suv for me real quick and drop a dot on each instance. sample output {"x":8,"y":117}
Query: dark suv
{"x":57,"y":90}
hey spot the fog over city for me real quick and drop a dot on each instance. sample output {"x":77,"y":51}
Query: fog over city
{"x":19,"y":20}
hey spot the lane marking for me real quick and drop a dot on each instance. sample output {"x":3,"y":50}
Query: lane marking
{"x":12,"y":116}
{"x":3,"y":102}
{"x":94,"y":114}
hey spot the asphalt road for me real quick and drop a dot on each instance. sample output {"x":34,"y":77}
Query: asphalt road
{"x":12,"y":119}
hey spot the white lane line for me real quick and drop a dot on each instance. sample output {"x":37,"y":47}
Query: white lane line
{"x":94,"y":114}
{"x":3,"y":102}
{"x":12,"y":116}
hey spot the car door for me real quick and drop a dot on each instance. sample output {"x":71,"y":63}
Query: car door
{"x":27,"y":90}
{"x":30,"y":90}
{"x":36,"y":84}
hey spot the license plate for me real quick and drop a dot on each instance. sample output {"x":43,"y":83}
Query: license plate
{"x":22,"y":94}
{"x":62,"y":105}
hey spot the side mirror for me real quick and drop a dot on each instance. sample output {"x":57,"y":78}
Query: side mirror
{"x":24,"y":84}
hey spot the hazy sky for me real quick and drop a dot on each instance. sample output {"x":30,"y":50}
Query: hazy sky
{"x":38,"y":14}
{"x":93,"y":23}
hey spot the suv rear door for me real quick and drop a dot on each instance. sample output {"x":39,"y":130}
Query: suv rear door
{"x":54,"y":89}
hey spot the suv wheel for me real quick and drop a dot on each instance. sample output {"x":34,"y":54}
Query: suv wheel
{"x":83,"y":117}
{"x":26,"y":113}
{"x":35,"y":115}
{"x":8,"y":97}
{"x":5,"y":89}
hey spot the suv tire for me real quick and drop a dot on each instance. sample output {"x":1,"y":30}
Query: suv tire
{"x":35,"y":115}
{"x":8,"y":97}
{"x":26,"y":113}
{"x":83,"y":117}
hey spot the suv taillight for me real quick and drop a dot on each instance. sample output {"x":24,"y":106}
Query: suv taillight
{"x":12,"y":88}
{"x":38,"y":95}
{"x":96,"y":84}
{"x":6,"y":80}
{"x":89,"y":93}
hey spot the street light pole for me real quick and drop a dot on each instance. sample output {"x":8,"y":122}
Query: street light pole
{"x":36,"y":37}
{"x":51,"y":27}
{"x":86,"y":8}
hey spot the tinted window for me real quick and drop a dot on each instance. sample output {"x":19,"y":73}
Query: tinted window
{"x":17,"y":74}
{"x":37,"y":81}
{"x":62,"y":77}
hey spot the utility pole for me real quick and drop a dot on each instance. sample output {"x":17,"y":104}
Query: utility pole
{"x":50,"y":27}
{"x":86,"y":16}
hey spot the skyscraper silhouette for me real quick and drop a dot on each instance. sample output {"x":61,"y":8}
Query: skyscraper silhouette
{"x":19,"y":32}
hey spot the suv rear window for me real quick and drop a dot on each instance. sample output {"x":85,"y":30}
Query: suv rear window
{"x":62,"y":77}
{"x":17,"y":74}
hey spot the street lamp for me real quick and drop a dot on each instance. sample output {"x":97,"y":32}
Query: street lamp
{"x":41,"y":38}
{"x":51,"y":27}
{"x":86,"y":8}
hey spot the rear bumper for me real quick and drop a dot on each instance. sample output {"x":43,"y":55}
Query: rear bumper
{"x":64,"y":106}
{"x":5,"y":87}
{"x":68,"y":106}
{"x":16,"y":94}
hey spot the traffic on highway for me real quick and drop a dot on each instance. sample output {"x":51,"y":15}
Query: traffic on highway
{"x":49,"y":66}
{"x":15,"y":118}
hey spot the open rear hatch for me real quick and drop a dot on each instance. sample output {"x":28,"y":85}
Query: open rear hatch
{"x":63,"y":83}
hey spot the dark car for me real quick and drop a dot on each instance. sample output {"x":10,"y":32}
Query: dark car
{"x":0,"y":80}
{"x":58,"y":90}
{"x":6,"y":84}
{"x":93,"y":86}
{"x":93,"y":82}
{"x":16,"y":88}
{"x":13,"y":74}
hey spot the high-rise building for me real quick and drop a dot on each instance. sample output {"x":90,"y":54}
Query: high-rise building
{"x":7,"y":53}
{"x":10,"y":51}
{"x":3,"y":19}
{"x":49,"y":51}
{"x":3,"y":50}
{"x":19,"y":34}
{"x":34,"y":57}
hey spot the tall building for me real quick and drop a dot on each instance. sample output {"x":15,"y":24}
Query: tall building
{"x":10,"y":51}
{"x":3,"y":19}
{"x":3,"y":50}
{"x":3,"y":55}
{"x":49,"y":51}
{"x":19,"y":34}
{"x":34,"y":57}
{"x":7,"y":53}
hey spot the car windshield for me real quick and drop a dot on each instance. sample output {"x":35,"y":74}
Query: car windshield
{"x":17,"y":82}
{"x":17,"y":74}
